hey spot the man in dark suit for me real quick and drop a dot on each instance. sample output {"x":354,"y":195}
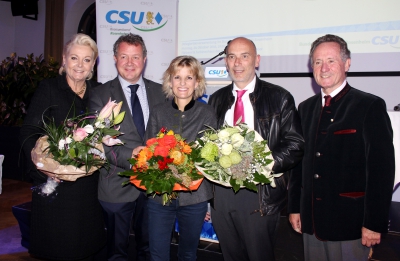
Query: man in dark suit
{"x":339,"y":196}
{"x":246,"y":221}
{"x":119,"y":202}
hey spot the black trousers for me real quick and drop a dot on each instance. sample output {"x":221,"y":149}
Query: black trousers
{"x":242,"y":233}
{"x":118,"y":218}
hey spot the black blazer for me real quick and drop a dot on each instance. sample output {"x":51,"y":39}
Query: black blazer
{"x":346,"y":177}
{"x":52,"y":99}
{"x":277,"y":121}
{"x":110,"y":188}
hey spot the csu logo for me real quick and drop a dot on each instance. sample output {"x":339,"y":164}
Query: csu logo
{"x":152,"y":21}
{"x":216,"y":72}
{"x":384,"y":40}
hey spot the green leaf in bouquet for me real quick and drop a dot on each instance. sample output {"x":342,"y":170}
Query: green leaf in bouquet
{"x":258,"y":148}
{"x":154,"y":187}
{"x":166,"y":187}
{"x":246,"y":147}
{"x":132,"y":161}
{"x":126,"y":183}
{"x":261,"y":178}
{"x":149,"y":186}
{"x":72,"y":153}
{"x":268,"y":161}
{"x":111,"y":132}
{"x":250,"y":185}
{"x":119,"y":118}
{"x":126,"y":173}
{"x":196,"y":176}
{"x":234,"y":185}
{"x":250,"y":136}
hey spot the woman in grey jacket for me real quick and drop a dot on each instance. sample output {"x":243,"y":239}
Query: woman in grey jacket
{"x":183,"y":81}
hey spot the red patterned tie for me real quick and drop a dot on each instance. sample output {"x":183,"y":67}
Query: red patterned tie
{"x":239,"y":110}
{"x":328,"y":99}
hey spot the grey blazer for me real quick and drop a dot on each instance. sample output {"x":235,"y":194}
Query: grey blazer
{"x":110,"y":183}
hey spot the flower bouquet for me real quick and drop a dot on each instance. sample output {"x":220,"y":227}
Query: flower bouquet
{"x":164,"y":166}
{"x":74,"y":149}
{"x":235,"y":157}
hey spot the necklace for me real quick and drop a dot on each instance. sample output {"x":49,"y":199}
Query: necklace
{"x":81,"y":91}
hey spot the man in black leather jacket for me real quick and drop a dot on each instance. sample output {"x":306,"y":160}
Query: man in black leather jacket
{"x":246,"y":222}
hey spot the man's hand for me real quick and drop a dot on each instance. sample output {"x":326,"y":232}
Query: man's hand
{"x":294,"y":219}
{"x":369,"y":237}
{"x":137,"y":150}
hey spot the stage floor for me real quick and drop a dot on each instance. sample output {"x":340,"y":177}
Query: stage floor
{"x":288,"y":246}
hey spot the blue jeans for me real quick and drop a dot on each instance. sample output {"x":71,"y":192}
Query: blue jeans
{"x":161,"y":222}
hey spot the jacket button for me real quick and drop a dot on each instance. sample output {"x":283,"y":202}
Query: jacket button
{"x":183,"y":116}
{"x":317,"y":154}
{"x":316,"y":176}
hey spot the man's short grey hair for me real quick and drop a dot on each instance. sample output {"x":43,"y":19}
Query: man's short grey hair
{"x":344,"y":51}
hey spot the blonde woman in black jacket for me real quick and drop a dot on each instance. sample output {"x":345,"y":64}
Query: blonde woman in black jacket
{"x":184,"y":82}
{"x":67,"y":225}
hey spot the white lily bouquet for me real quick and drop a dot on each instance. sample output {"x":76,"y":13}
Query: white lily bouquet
{"x":236,"y":157}
{"x":74,"y":149}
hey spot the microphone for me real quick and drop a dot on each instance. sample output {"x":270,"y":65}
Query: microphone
{"x":221,"y":53}
{"x":226,"y":47}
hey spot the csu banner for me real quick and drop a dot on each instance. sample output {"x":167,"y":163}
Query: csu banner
{"x":155,"y":21}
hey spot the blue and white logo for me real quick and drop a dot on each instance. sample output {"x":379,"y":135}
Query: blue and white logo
{"x":142,"y":21}
{"x":392,"y":40}
{"x":216,"y":72}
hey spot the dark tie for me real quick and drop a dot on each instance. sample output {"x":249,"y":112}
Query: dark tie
{"x":137,"y":113}
{"x":328,"y":99}
{"x":239,"y":110}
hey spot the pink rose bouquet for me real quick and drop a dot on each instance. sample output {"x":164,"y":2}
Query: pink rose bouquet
{"x":74,"y":149}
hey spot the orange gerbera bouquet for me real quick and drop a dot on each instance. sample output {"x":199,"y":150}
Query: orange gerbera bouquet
{"x":165,"y":165}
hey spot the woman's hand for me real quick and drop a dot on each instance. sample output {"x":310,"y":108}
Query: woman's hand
{"x":207,"y":217}
{"x":51,"y":175}
{"x":137,"y":150}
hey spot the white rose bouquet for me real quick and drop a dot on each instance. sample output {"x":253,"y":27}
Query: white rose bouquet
{"x":74,"y":149}
{"x":236,"y":157}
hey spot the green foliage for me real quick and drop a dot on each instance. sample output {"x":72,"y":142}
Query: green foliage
{"x":159,"y":172}
{"x":78,"y":140}
{"x":19,"y":78}
{"x":246,"y":162}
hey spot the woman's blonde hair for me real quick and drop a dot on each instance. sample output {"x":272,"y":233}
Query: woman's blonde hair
{"x":80,"y":39}
{"x":194,"y":66}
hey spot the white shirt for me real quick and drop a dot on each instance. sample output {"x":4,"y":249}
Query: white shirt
{"x":248,"y":108}
{"x":334,"y":93}
{"x":141,"y":92}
